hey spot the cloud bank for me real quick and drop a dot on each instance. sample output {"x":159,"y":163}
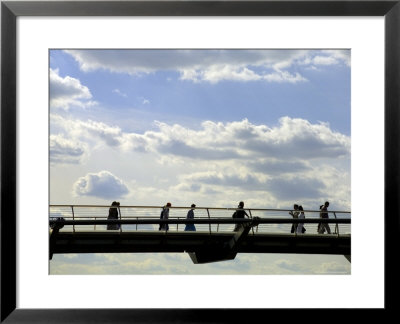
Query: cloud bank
{"x":211,"y":66}
{"x":293,"y":160}
{"x":292,"y":140}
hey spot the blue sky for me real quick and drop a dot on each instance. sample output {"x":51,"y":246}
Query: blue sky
{"x":271,"y":127}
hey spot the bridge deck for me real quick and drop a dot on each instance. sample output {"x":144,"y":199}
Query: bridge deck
{"x":150,"y":241}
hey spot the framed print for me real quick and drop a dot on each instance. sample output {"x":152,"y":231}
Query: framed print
{"x":50,"y":48}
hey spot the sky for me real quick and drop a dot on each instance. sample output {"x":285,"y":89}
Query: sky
{"x":212,"y":127}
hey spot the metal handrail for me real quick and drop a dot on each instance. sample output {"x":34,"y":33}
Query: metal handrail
{"x":106,"y":221}
{"x":210,"y":208}
{"x":269,"y":220}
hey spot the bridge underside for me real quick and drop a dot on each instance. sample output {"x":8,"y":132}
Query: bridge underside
{"x":202,"y":246}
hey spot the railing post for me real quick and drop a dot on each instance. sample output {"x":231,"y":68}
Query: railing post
{"x":177,"y":224}
{"x":120,"y":218}
{"x":251,"y":217}
{"x":209,"y":224}
{"x":337,"y":225}
{"x":137,"y":218}
{"x":95,"y":223}
{"x":73,"y":218}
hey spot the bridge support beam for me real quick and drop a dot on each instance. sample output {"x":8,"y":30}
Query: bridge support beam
{"x":204,"y":246}
{"x":225,"y":252}
{"x":53,"y":238}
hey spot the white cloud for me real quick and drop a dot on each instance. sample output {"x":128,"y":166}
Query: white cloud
{"x":211,"y":66}
{"x":66,"y":92}
{"x":109,"y":134}
{"x":102,"y":184}
{"x":278,"y":167}
{"x":306,"y":187}
{"x":333,"y":268}
{"x":227,"y":179}
{"x":217,"y":74}
{"x":67,"y":151}
{"x":339,"y":55}
{"x":118,"y":92}
{"x":71,"y":256}
{"x":90,"y":131}
{"x":284,"y":76}
{"x":324,"y":60}
{"x":288,"y":265}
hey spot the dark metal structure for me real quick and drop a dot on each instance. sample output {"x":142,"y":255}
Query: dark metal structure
{"x":203,"y":246}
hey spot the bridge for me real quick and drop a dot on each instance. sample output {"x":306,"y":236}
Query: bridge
{"x":83,"y":229}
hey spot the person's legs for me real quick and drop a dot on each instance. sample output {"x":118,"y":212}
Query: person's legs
{"x":328,"y":229}
{"x":323,"y":228}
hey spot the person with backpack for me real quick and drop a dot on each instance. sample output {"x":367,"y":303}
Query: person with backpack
{"x":164,"y":215}
{"x":239,"y":213}
{"x":190,"y":215}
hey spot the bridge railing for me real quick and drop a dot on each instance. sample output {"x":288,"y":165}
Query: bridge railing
{"x":209,"y":219}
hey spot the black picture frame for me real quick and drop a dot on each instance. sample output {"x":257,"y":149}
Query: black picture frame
{"x":10,"y":10}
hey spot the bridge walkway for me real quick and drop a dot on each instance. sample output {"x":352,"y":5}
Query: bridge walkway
{"x":84,"y":231}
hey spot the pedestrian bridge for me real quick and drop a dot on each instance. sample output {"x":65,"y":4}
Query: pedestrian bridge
{"x":83,"y":229}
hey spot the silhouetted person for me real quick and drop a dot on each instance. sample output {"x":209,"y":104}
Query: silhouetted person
{"x":164,"y":215}
{"x":190,"y":215}
{"x":300,"y":226}
{"x":239,"y":213}
{"x":294,"y":214}
{"x":113,"y":214}
{"x":323,"y":214}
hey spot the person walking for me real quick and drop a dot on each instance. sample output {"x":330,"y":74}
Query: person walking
{"x":323,"y":214}
{"x":164,"y":215}
{"x":190,"y":215}
{"x":294,"y":214}
{"x":239,"y":213}
{"x":300,"y":226}
{"x":113,"y":214}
